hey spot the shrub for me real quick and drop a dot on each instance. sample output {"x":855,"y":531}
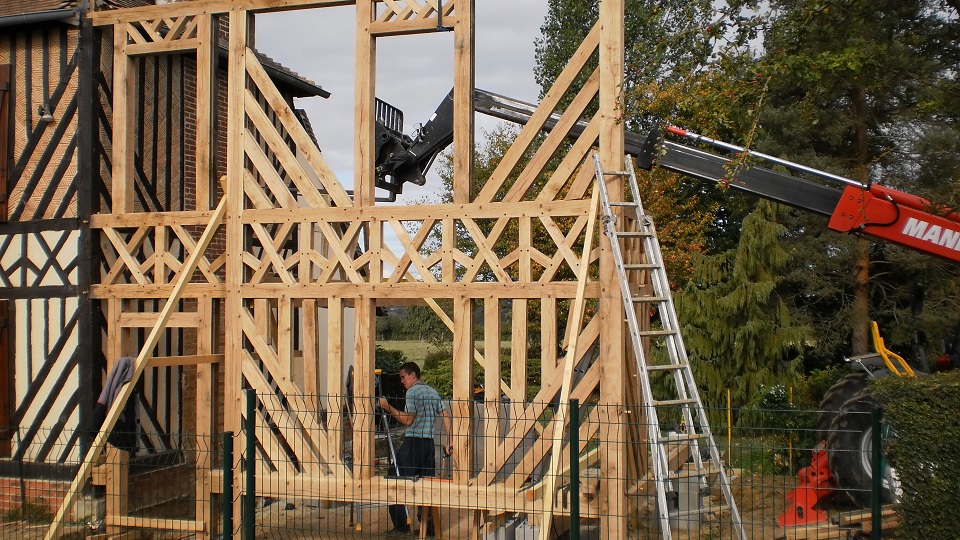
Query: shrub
{"x":923,"y":413}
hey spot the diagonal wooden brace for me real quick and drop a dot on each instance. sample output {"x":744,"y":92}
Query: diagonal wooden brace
{"x":142,"y":360}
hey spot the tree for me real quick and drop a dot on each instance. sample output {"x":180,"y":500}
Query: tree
{"x":738,"y":330}
{"x":861,"y":88}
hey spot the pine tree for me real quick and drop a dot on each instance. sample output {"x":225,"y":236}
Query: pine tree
{"x":738,"y":330}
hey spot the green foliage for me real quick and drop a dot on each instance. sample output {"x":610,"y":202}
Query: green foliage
{"x":388,"y":360}
{"x":923,"y":414}
{"x":738,"y":331}
{"x":820,"y":380}
{"x":37,"y":511}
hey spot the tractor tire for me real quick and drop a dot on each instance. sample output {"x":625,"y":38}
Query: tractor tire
{"x":838,"y":394}
{"x":850,"y":456}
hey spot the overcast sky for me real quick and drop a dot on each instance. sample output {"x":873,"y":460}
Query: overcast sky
{"x":414,"y":73}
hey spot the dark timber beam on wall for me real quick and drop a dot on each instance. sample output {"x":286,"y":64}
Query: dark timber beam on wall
{"x":87,"y":332}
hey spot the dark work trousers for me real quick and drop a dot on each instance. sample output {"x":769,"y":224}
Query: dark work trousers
{"x":415,"y":458}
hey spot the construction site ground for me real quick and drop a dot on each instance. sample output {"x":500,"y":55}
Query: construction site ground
{"x":761,"y":499}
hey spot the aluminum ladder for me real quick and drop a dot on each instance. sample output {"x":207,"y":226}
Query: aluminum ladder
{"x":685,"y":396}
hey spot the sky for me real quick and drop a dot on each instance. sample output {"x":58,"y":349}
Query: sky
{"x":414,"y":73}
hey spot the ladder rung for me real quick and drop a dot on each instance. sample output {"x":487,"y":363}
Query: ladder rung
{"x":655,"y":333}
{"x":649,"y":299}
{"x":667,"y":367}
{"x":668,"y":402}
{"x":705,"y":510}
{"x":624,"y":203}
{"x":634,"y":234}
{"x":642,"y":266}
{"x":616,"y":173}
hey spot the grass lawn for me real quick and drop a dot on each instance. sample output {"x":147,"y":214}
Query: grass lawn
{"x":415,"y":351}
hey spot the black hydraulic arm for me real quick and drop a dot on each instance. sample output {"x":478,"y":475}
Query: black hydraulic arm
{"x":685,"y":160}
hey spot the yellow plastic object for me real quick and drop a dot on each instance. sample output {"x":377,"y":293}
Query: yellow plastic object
{"x":886,"y":354}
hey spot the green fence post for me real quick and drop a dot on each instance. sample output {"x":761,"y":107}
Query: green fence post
{"x":250,"y":500}
{"x":877,"y":475}
{"x":226,"y":502}
{"x":574,"y":469}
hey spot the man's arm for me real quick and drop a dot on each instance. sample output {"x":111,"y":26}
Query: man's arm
{"x":403,"y":417}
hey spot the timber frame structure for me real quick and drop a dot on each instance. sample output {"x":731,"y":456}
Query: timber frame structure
{"x":275,"y":239}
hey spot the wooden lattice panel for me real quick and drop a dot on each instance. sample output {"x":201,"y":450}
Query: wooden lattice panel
{"x":152,"y":253}
{"x":411,"y":10}
{"x":162,"y":34}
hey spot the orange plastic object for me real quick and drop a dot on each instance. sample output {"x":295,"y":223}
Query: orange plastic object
{"x":816,"y":482}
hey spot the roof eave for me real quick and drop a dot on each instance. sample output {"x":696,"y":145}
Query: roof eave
{"x":53,"y":15}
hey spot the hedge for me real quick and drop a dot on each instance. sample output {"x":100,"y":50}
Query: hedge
{"x":925,"y":416}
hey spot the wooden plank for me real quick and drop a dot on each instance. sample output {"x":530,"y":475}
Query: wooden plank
{"x":518,"y":350}
{"x":186,"y":360}
{"x":236,"y":83}
{"x":205,"y":412}
{"x":418,"y":26}
{"x":363,"y":392}
{"x":533,"y":126}
{"x":556,"y":138}
{"x":153,"y":219}
{"x":464,"y":79}
{"x":383,"y":291}
{"x":141,"y":363}
{"x":206,"y":53}
{"x":426,"y":213}
{"x":335,"y":392}
{"x":548,"y":338}
{"x":117,"y":484}
{"x":187,"y":525}
{"x":612,"y":340}
{"x":569,"y":362}
{"x":121,"y":176}
{"x":198,"y":7}
{"x":492,"y":419}
{"x":463,"y":370}
{"x":163,"y":47}
{"x":364,"y":102}
{"x":864,"y":516}
{"x":297,"y":133}
{"x":142,"y":319}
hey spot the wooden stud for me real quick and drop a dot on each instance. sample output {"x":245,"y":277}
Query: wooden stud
{"x":612,"y":339}
{"x":463,"y":369}
{"x":569,"y":362}
{"x":146,"y":351}
{"x":493,"y":423}
{"x":123,"y":124}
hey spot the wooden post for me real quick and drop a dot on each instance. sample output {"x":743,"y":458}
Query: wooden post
{"x":206,"y":82}
{"x":118,"y":485}
{"x":233,"y":194}
{"x":123,"y":123}
{"x":612,"y":342}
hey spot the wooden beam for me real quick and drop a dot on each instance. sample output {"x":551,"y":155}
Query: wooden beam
{"x":121,"y":176}
{"x":206,"y":83}
{"x":199,"y":7}
{"x":187,"y":360}
{"x":569,"y":363}
{"x":463,"y":369}
{"x":464,"y":77}
{"x":126,"y":391}
{"x":184,"y":525}
{"x":364,"y":97}
{"x":612,"y":340}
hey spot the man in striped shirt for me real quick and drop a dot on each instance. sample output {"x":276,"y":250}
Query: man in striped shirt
{"x":416,"y":457}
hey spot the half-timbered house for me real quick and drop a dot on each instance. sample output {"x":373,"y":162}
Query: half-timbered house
{"x":56,"y":160}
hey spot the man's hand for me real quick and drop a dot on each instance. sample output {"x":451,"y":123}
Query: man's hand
{"x":384,"y":404}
